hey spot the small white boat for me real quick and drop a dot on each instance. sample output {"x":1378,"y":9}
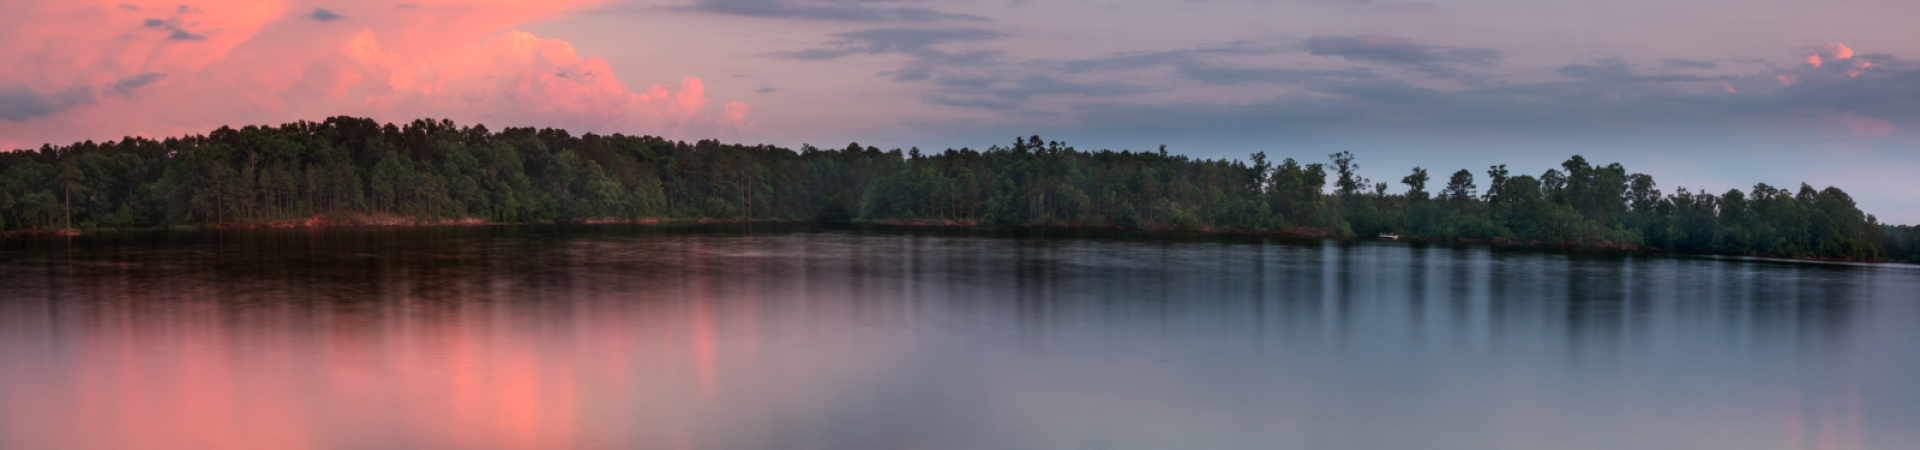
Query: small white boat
{"x":1390,"y":236}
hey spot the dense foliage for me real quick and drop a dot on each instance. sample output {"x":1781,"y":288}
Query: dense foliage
{"x":433,"y":169}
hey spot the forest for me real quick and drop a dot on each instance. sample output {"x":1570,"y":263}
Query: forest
{"x":352,"y":169}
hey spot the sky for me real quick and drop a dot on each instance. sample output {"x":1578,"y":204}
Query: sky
{"x":1703,"y":94}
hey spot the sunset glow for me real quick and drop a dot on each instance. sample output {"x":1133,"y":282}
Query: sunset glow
{"x":958,"y":225}
{"x":465,"y":378}
{"x":164,"y":68}
{"x":1475,"y":81}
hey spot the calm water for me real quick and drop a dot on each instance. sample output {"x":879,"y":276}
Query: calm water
{"x":622,"y":337}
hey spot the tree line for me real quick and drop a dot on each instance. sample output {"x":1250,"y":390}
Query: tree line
{"x":346,"y":166}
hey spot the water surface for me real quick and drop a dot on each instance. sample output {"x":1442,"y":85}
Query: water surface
{"x":632,"y":337}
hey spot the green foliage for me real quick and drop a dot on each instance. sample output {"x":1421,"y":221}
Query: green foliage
{"x":1902,"y":243}
{"x":434,"y":169}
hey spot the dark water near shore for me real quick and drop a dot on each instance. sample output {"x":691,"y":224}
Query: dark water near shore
{"x":639,"y":337}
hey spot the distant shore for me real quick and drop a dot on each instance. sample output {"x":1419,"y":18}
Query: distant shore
{"x":385,"y":220}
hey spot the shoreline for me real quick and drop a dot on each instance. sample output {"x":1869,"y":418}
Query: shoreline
{"x":1300,"y":233}
{"x":384,"y":221}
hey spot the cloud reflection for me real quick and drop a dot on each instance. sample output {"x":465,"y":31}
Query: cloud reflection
{"x":532,"y":338}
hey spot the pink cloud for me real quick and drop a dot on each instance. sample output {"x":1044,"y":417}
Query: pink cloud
{"x":1836,"y":51}
{"x":736,"y":111}
{"x":61,"y":44}
{"x":1829,"y":52}
{"x":1837,"y":63}
{"x":513,"y":78}
{"x":1839,"y":115}
{"x":177,"y":69}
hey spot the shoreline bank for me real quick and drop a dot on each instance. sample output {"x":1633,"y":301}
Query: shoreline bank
{"x":390,"y":221}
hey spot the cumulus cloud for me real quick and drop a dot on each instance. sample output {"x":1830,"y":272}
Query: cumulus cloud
{"x":1828,"y":52}
{"x":516,"y":77}
{"x":239,"y":62}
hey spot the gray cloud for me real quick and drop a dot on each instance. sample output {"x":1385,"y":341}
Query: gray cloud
{"x":1438,"y":61}
{"x":1008,"y":94}
{"x":1402,"y":51}
{"x":1865,"y":96}
{"x":1392,"y":94}
{"x":1608,"y":101}
{"x":926,"y":62}
{"x":1194,"y":64}
{"x":906,"y":40}
{"x":966,"y":81}
{"x":1178,"y":119}
{"x":1129,"y":61}
{"x":19,"y":102}
{"x":973,"y":102}
{"x":815,"y":54}
{"x":126,"y":86}
{"x":1890,"y":90}
{"x":1198,"y":64}
{"x":1617,"y":70}
{"x":1231,"y":75}
{"x":851,"y":11}
{"x":1143,"y":60}
{"x":1042,"y":84}
{"x":323,"y":15}
{"x":915,"y":41}
{"x":172,"y":24}
{"x":1687,"y":64}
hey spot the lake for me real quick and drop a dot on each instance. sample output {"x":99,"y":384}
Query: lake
{"x":796,"y":338}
